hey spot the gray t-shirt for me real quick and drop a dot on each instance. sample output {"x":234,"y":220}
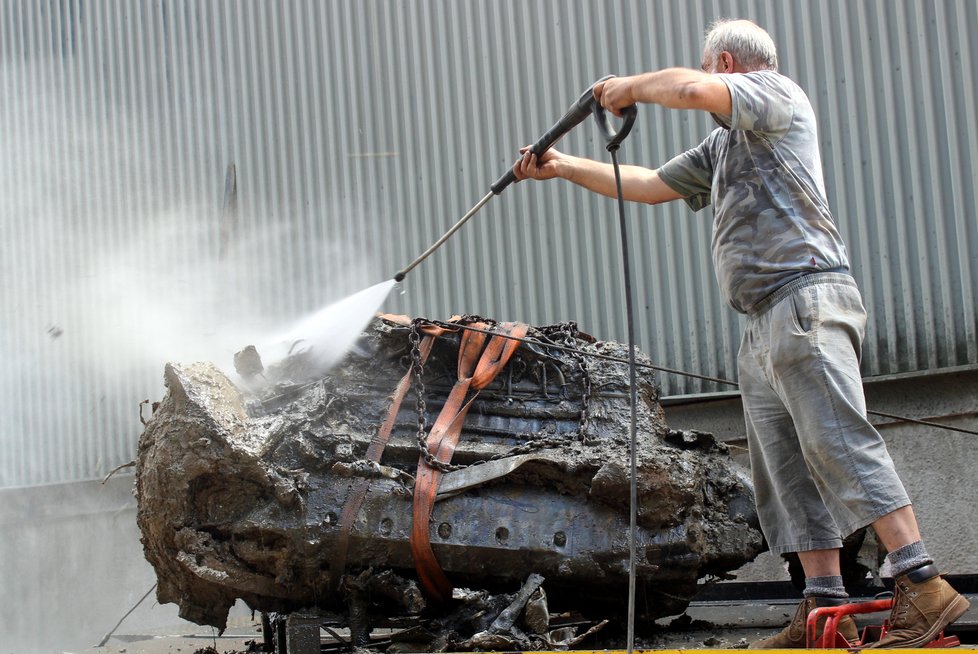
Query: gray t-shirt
{"x":763,"y":175}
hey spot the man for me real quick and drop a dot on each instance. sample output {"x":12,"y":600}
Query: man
{"x":820,"y":469}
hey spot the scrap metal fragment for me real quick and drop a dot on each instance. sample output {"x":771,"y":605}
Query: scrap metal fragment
{"x":511,"y":613}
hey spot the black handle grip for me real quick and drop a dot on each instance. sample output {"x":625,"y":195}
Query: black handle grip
{"x":612,"y":138}
{"x":571,"y":119}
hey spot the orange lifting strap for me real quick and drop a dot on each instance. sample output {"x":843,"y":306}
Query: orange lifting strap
{"x":475,"y":372}
{"x":358,"y":490}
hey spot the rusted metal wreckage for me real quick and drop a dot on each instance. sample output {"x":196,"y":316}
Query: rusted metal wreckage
{"x":506,"y":462}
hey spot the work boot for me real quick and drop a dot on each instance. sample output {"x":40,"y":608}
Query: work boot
{"x":923,"y":604}
{"x":793,"y":636}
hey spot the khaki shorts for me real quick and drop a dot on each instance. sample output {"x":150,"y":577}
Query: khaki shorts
{"x":821,"y":470}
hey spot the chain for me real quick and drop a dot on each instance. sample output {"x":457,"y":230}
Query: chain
{"x":418,"y":366}
{"x":529,"y":446}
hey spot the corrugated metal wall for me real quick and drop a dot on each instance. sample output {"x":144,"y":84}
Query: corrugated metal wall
{"x":360,"y":131}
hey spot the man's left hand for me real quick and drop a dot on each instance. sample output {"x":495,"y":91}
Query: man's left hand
{"x":615,"y":94}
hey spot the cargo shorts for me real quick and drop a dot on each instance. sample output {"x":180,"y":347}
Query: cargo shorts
{"x":820,"y":469}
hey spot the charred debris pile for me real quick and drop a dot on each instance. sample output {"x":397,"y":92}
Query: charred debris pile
{"x":486,"y":513}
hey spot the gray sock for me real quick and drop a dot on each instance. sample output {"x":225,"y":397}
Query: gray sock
{"x":831,"y":586}
{"x":907,"y":558}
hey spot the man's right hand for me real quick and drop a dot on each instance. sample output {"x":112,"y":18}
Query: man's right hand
{"x":639,"y":184}
{"x":533,"y":167}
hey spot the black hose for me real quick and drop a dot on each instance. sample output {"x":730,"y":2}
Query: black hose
{"x":633,"y":399}
{"x":613,"y":140}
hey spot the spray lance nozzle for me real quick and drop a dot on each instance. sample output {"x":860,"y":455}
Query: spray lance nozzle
{"x":574,"y":116}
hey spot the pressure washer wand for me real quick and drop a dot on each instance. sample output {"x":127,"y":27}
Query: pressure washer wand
{"x":574,"y":116}
{"x":399,"y":277}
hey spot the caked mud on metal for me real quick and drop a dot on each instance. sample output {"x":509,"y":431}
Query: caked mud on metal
{"x":241,"y":486}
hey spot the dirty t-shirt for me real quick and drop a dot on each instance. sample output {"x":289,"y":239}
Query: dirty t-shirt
{"x":763,"y":176}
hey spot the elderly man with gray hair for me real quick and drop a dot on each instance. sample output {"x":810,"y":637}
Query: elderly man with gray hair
{"x":821,"y":471}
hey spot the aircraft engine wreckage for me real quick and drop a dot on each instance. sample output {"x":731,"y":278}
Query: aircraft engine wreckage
{"x":316,"y":492}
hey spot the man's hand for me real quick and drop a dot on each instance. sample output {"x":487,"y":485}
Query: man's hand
{"x":639,"y":184}
{"x":533,"y":167}
{"x":615,"y":94}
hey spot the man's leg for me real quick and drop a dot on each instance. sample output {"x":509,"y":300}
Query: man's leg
{"x":791,"y":512}
{"x":823,"y":587}
{"x":807,"y":429}
{"x":818,"y":379}
{"x":820,"y":563}
{"x":897,"y":529}
{"x":790,"y":509}
{"x":923,"y":602}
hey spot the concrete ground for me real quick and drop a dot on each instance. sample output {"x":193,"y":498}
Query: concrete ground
{"x":185,"y":638}
{"x":726,"y":625}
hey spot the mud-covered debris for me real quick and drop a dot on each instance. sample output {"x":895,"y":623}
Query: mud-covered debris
{"x":536,"y":615}
{"x":247,"y":362}
{"x":481,"y":621}
{"x":241,"y":492}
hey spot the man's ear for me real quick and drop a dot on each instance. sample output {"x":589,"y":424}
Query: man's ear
{"x":726,"y":62}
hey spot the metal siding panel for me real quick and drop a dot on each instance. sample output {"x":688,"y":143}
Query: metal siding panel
{"x":958,"y":295}
{"x":361,"y":131}
{"x":964,"y":88}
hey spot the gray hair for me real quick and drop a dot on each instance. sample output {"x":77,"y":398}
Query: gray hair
{"x":751,"y":46}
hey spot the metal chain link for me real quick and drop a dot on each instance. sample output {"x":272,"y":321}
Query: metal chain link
{"x":570,"y":329}
{"x":419,"y":391}
{"x":529,"y":446}
{"x":417,"y":366}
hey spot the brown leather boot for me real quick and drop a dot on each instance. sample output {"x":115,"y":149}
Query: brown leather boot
{"x":923,"y":604}
{"x":793,"y":636}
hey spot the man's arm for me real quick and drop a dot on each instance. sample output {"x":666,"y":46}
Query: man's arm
{"x":638,"y":184}
{"x":675,"y":88}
